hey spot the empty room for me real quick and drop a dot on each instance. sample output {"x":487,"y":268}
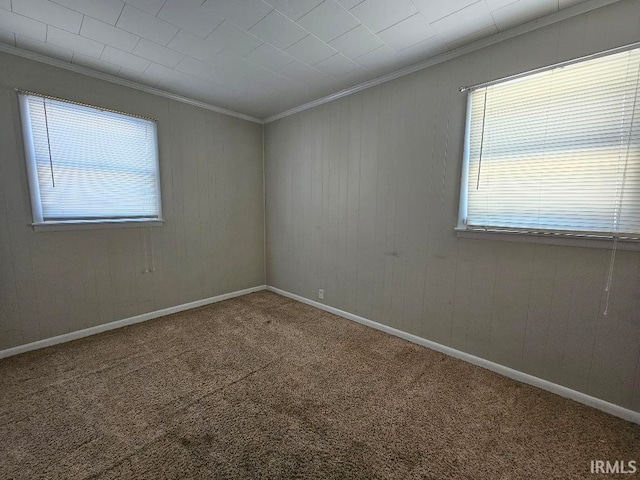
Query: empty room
{"x":273,"y":239}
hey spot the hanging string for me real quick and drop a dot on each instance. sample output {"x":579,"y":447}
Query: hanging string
{"x":46,"y":124}
{"x":484,"y":116}
{"x":619,"y":196}
{"x":612,"y":263}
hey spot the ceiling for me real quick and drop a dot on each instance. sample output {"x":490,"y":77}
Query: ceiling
{"x":256,"y":57}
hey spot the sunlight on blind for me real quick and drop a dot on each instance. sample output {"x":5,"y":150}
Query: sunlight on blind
{"x":558,"y":150}
{"x":92,"y":164}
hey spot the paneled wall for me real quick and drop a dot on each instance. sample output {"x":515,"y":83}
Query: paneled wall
{"x":362,"y":198}
{"x":212,"y":241}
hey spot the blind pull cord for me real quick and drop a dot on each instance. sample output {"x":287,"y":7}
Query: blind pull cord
{"x":46,"y":124}
{"x":619,"y":196}
{"x":612,"y":262}
{"x":484,"y":116}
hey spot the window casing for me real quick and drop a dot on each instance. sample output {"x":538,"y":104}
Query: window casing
{"x":556,"y":151}
{"x":89,"y":165}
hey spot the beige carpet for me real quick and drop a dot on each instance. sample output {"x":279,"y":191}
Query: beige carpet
{"x":265,"y":387}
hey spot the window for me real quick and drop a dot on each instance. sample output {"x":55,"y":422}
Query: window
{"x":556,"y":151}
{"x":89,"y":165}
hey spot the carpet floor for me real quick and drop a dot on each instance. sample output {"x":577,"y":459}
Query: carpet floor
{"x":262,"y":386}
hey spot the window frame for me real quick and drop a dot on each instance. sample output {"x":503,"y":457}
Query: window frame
{"x":38,"y":223}
{"x":517,"y":234}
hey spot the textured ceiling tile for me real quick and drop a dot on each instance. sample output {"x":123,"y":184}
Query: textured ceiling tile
{"x":408,"y":32}
{"x":194,"y":46}
{"x":149,"y":6}
{"x":458,"y":41}
{"x":50,"y":13}
{"x":269,"y":57}
{"x":105,"y":10}
{"x":166,"y":75}
{"x":256,"y":56}
{"x":18,"y":24}
{"x":470,"y":19}
{"x":244,"y":14}
{"x":197,"y":68}
{"x":234,"y":67}
{"x":147,"y":26}
{"x":76,"y":43}
{"x":356,"y":42}
{"x":349,"y":4}
{"x":381,"y":14}
{"x":328,"y":21}
{"x":522,"y":12}
{"x":274,"y":81}
{"x":378,"y":59}
{"x":278,"y":30}
{"x":233,"y":39}
{"x":294,"y":9}
{"x":299,"y":71}
{"x":190,"y":16}
{"x":95,"y":64}
{"x":127,"y":60}
{"x":337,"y":66}
{"x":136,"y":76}
{"x":427,"y":48}
{"x":157,"y":53}
{"x":44,"y":48}
{"x":437,"y":9}
{"x":310,"y":50}
{"x":496,"y":4}
{"x":107,"y":34}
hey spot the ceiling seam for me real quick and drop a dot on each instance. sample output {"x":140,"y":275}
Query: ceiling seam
{"x":545,"y":21}
{"x":124,"y":82}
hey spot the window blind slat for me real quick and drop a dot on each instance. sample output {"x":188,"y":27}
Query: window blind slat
{"x":558,"y":150}
{"x":92,"y":163}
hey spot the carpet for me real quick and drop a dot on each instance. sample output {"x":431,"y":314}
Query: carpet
{"x":262,"y":386}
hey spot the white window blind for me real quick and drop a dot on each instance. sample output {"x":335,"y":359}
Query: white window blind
{"x":557,"y":150}
{"x":89,"y":164}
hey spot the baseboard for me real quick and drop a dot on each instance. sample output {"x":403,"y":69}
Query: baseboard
{"x":580,"y":397}
{"x":67,"y":337}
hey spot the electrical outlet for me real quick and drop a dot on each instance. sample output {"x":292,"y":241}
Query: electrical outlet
{"x":321,"y":294}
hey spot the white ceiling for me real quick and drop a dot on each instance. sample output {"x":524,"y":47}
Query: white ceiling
{"x":252,"y":56}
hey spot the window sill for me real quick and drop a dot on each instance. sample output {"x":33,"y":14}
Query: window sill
{"x":64,"y":226}
{"x":563,"y":239}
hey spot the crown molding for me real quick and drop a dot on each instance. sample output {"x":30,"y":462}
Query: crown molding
{"x":559,"y":16}
{"x":122,"y":81}
{"x":555,"y":17}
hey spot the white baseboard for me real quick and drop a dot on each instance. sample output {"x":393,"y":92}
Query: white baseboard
{"x":580,"y":397}
{"x":67,"y":337}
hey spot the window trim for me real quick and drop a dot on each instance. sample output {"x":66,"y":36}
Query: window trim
{"x":584,"y":58}
{"x":515,"y":234}
{"x":567,"y":240}
{"x":62,"y":226}
{"x":38,"y":222}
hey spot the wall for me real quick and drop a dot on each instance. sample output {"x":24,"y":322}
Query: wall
{"x":362,"y":198}
{"x":212,"y":241}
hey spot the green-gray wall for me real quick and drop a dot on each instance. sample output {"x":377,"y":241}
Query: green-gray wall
{"x":362,"y":199}
{"x":212,"y":241}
